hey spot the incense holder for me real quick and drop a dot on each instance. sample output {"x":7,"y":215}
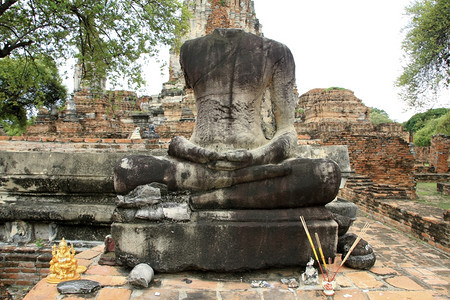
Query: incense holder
{"x":328,"y":287}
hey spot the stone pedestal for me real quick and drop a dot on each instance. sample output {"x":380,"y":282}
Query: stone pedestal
{"x":226,"y":240}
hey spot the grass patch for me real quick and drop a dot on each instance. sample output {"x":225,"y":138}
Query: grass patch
{"x":334,"y":88}
{"x":428,"y":194}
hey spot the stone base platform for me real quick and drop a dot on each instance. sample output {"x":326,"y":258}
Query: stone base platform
{"x":226,"y":240}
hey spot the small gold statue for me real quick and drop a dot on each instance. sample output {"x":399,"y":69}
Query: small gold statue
{"x":64,"y":265}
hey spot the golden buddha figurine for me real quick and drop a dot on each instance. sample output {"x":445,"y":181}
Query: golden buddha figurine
{"x":64,"y":265}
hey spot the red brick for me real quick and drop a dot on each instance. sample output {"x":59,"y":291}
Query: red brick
{"x":76,"y":140}
{"x":108,"y":141}
{"x":4,"y":264}
{"x":27,"y":264}
{"x":22,"y":257}
{"x":114,"y":294}
{"x":48,"y":139}
{"x":123,"y":141}
{"x":25,"y":249}
{"x":27,"y":282}
{"x":5,"y":138}
{"x":139,"y":141}
{"x":42,"y":265}
{"x":62,"y":140}
{"x":42,"y":291}
{"x":28,"y":270}
{"x":91,"y":140}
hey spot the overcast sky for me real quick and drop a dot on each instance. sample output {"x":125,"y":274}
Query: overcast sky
{"x":354,"y":44}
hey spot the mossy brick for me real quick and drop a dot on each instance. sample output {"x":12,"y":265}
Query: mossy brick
{"x":43,"y":265}
{"x":6,"y":264}
{"x":27,"y":264}
{"x":21,"y":257}
{"x":44,"y":257}
{"x":25,"y":249}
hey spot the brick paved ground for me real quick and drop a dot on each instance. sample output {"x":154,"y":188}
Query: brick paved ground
{"x":405,"y":269}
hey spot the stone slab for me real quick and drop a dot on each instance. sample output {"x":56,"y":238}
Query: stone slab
{"x":220,"y":245}
{"x":78,"y":287}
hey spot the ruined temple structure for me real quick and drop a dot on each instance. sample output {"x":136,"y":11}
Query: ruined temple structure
{"x":435,"y":158}
{"x":380,"y":155}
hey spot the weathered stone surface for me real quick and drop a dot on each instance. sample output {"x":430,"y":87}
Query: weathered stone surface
{"x":149,"y":213}
{"x":35,"y":172}
{"x":229,"y":161}
{"x":82,"y":286}
{"x":177,"y":211}
{"x":362,"y":257}
{"x":361,"y":262}
{"x":343,"y":222}
{"x":108,"y":259}
{"x":60,"y":190}
{"x":273,"y":238}
{"x":344,"y":213}
{"x":143,"y":195}
{"x":141,"y":275}
{"x":73,"y":213}
{"x":343,"y":208}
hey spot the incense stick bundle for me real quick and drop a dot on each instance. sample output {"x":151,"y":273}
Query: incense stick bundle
{"x":363,"y":231}
{"x":312,"y":244}
{"x":321,"y":253}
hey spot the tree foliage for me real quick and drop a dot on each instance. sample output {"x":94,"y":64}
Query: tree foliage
{"x":108,"y":37}
{"x":441,"y":125}
{"x":378,"y":116}
{"x":427,"y":49}
{"x":418,"y":121}
{"x":27,"y":85}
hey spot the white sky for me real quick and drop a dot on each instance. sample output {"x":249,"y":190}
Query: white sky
{"x":354,"y":44}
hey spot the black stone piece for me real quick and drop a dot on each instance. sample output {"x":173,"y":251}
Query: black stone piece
{"x":344,"y":223}
{"x":362,"y":257}
{"x":78,"y":287}
{"x":344,"y":213}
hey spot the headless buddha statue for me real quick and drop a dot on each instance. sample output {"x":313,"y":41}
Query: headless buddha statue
{"x":228,"y":163}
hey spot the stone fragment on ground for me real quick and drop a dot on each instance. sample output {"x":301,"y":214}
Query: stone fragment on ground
{"x":141,"y":276}
{"x":82,"y":286}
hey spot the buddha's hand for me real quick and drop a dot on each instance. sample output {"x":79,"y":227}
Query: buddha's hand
{"x":232,"y":160}
{"x":180,"y":147}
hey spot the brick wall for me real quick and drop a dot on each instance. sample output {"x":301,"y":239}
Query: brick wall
{"x":437,"y":155}
{"x":385,"y":159}
{"x":427,"y":224}
{"x":23,"y":265}
{"x":80,"y":144}
{"x":422,"y":155}
{"x":440,"y":146}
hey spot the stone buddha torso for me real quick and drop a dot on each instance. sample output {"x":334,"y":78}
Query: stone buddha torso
{"x":229,"y":71}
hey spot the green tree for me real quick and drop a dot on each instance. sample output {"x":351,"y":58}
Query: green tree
{"x":426,"y":47}
{"x":378,"y":116}
{"x":108,"y":37}
{"x":441,"y":125}
{"x":25,"y":86}
{"x":419,"y":120}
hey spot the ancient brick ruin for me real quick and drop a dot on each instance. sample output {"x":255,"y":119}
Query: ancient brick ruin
{"x":435,"y":158}
{"x":380,"y":156}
